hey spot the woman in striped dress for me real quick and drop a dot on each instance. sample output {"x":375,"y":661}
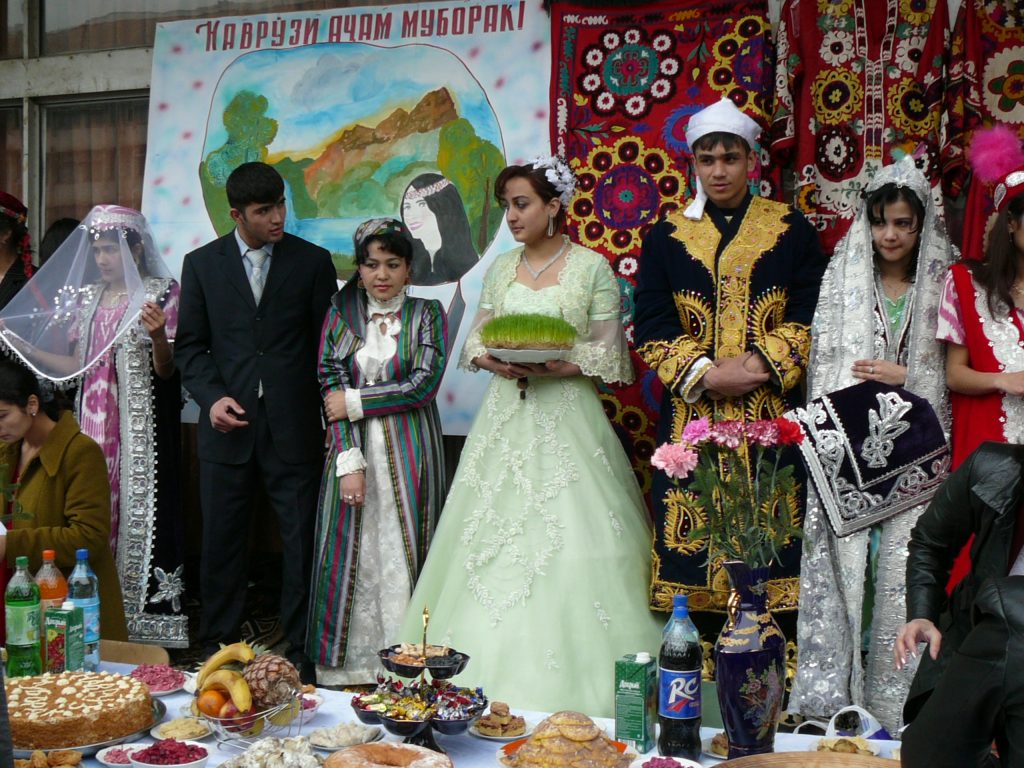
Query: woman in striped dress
{"x":382,"y":355}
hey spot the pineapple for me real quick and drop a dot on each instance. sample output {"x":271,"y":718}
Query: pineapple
{"x":272,"y":680}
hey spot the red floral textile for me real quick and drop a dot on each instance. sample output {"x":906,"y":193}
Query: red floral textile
{"x":985,"y":86}
{"x":625,"y":83}
{"x":850,"y":88}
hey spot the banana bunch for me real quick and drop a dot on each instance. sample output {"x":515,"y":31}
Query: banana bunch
{"x":214,"y":674}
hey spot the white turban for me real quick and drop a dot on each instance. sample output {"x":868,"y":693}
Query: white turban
{"x":721,"y":117}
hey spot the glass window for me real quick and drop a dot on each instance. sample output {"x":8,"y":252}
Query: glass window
{"x":95,"y":25}
{"x":12,"y":28}
{"x":94,"y":152}
{"x":10,"y":134}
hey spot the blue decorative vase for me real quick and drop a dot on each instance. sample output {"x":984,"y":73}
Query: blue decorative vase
{"x":750,"y":664}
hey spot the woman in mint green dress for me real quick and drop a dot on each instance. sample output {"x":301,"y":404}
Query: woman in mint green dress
{"x":539,"y":566}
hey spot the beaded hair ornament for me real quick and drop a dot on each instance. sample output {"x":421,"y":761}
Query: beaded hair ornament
{"x":997,"y":158}
{"x":558,"y":172}
{"x":381,"y":226}
{"x":108,"y":217}
{"x":431,"y":189}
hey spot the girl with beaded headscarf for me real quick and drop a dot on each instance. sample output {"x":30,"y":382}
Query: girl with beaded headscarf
{"x":102,"y":314}
{"x":540,"y":564}
{"x":875,"y":322}
{"x":382,"y":356}
{"x":15,"y":247}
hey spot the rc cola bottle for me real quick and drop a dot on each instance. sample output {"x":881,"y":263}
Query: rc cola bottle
{"x":679,"y":678}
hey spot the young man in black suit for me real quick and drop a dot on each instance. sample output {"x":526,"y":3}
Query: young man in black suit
{"x":252,"y":306}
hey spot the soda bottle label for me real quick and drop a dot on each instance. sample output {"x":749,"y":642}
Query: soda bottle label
{"x":679,"y":693}
{"x":22,"y":624}
{"x":91,"y":618}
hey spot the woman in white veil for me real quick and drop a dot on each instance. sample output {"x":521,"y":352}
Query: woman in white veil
{"x":101,"y":314}
{"x":868,"y":327}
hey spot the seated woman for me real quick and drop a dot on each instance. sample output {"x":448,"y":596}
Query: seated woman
{"x":62,"y":499}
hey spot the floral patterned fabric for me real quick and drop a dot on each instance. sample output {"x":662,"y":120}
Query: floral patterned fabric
{"x":625,"y":83}
{"x":147,"y":540}
{"x":986,"y":63}
{"x":850,"y":88}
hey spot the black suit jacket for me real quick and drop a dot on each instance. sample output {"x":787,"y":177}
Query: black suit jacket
{"x":980,"y":698}
{"x":226,"y":344}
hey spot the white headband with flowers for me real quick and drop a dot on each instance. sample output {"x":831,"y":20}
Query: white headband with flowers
{"x":558,"y":172}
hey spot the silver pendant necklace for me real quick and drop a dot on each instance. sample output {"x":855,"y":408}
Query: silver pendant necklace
{"x":535,"y":274}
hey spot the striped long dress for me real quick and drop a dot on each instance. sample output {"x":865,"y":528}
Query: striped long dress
{"x":367,"y":558}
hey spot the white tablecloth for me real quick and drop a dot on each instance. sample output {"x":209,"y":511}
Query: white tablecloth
{"x":466,"y":751}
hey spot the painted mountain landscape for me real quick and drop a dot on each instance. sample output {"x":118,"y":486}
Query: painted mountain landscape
{"x":349,"y":130}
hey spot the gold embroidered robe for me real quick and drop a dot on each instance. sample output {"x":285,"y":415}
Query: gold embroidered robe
{"x":712,"y":288}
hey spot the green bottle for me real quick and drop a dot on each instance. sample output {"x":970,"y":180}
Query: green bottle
{"x":22,"y":612}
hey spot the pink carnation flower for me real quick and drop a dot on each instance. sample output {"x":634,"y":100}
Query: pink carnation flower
{"x":728,"y":434}
{"x":675,"y":460}
{"x":765,"y":433}
{"x":697,"y":431}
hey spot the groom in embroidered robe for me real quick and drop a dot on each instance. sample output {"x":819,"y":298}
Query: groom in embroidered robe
{"x":724,"y":302}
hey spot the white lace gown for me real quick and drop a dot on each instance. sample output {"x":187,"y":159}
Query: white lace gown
{"x":539,"y":566}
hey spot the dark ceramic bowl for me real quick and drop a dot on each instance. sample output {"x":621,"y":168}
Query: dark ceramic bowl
{"x":398,"y":668}
{"x":443,"y":667}
{"x":439,"y":667}
{"x":403,"y":728}
{"x":366,"y":716}
{"x":452,"y":727}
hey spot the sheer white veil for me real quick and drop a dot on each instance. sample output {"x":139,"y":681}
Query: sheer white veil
{"x":48,"y":324}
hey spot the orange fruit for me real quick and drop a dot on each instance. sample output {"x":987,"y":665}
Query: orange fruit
{"x":210,"y":702}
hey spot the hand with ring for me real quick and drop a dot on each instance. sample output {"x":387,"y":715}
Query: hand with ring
{"x":353,"y":488}
{"x":886,"y":372}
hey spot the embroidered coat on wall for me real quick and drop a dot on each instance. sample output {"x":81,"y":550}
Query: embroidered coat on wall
{"x":625,"y":83}
{"x":850,"y":87}
{"x":984,"y":87}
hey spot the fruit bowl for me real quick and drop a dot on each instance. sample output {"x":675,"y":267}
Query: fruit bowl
{"x":250,"y":724}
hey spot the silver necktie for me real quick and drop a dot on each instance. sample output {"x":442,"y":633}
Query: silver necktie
{"x":257,"y":257}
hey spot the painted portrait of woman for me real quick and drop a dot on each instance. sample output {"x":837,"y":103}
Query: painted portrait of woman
{"x":433,"y":211}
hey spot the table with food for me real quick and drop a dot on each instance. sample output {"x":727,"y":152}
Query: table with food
{"x":246,"y":711}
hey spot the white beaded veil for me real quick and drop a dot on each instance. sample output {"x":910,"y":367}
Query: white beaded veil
{"x":47,"y":324}
{"x":830,"y":674}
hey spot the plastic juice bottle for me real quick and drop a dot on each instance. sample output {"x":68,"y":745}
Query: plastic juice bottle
{"x":22,"y":613}
{"x":53,"y":590}
{"x":84,"y":589}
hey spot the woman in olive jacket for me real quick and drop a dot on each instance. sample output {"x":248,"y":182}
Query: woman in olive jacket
{"x":982,"y":498}
{"x":62,"y":499}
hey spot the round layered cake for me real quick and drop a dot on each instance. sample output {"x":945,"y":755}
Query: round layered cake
{"x":73,"y":709}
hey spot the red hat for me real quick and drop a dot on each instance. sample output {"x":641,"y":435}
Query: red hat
{"x":997,"y":158}
{"x":12,"y":207}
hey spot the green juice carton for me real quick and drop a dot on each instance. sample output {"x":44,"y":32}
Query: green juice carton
{"x":636,"y":700}
{"x":64,"y":639}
